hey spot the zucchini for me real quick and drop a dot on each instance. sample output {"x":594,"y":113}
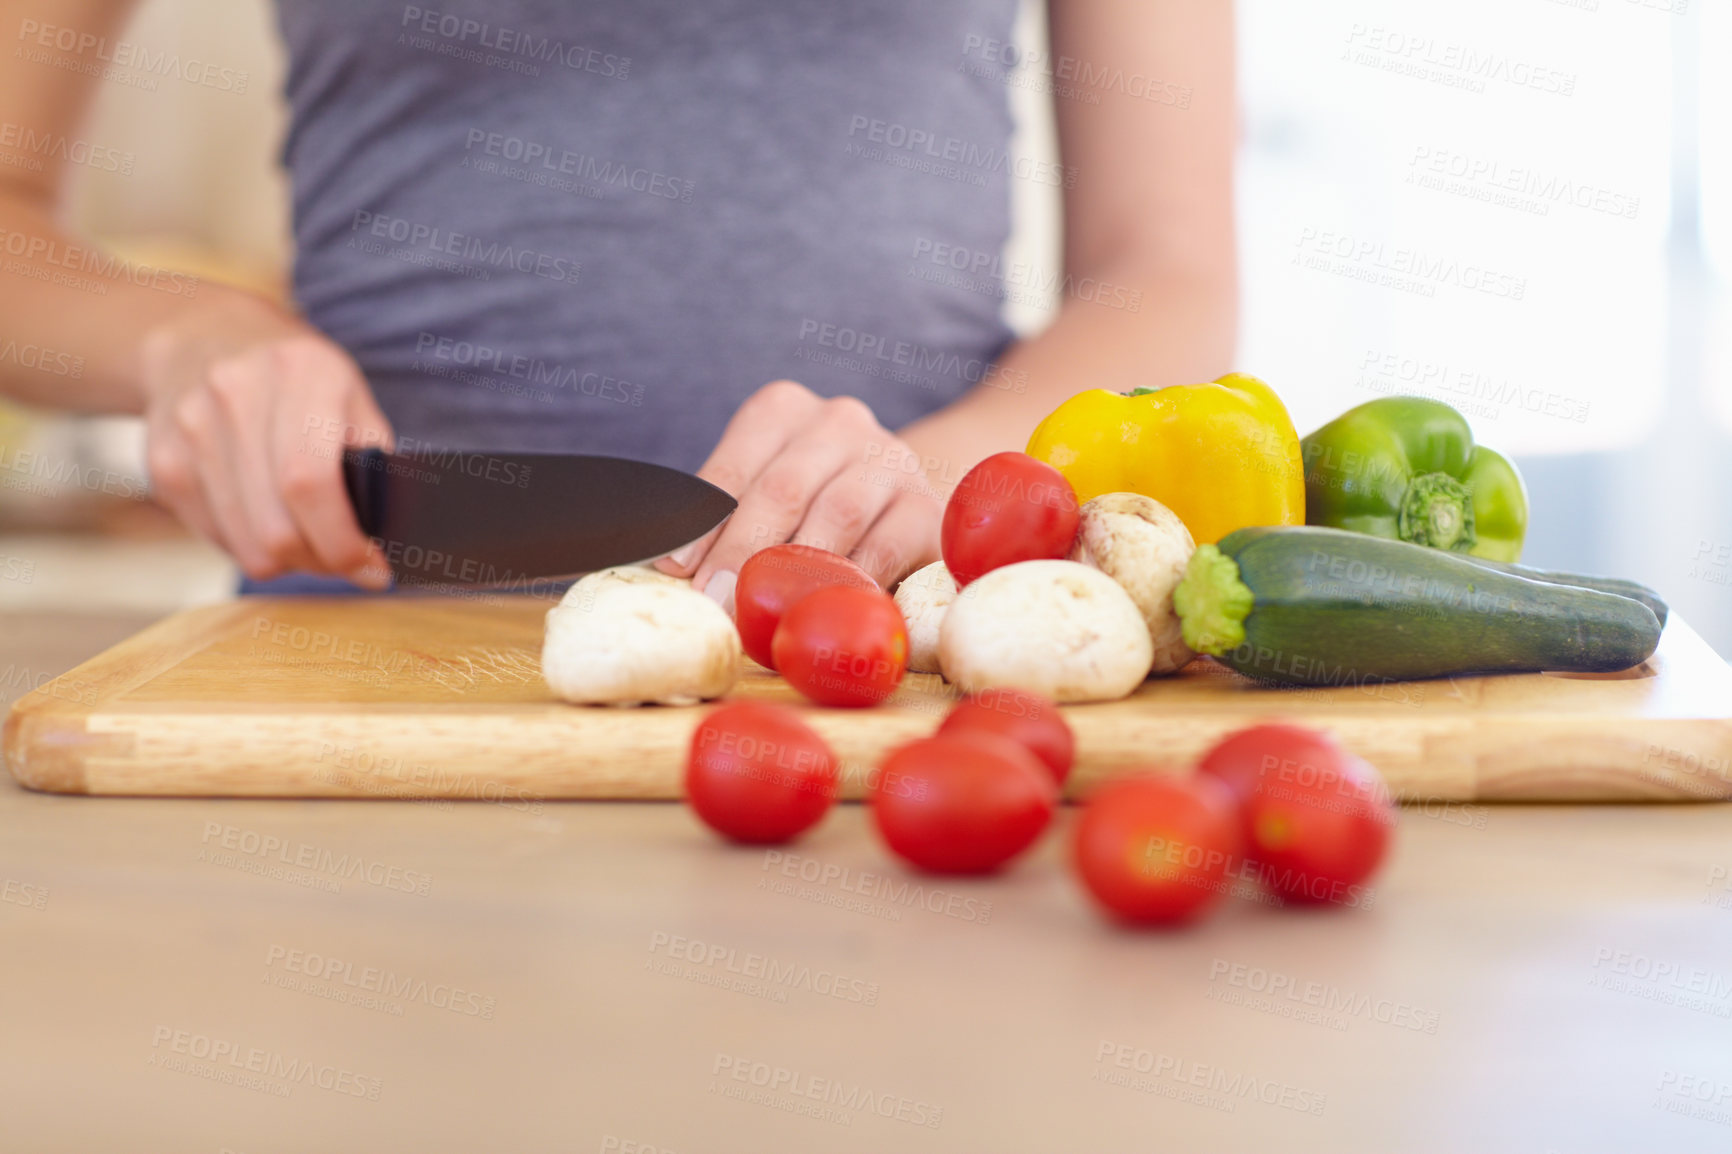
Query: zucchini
{"x":1315,"y":606}
{"x":1622,"y":587}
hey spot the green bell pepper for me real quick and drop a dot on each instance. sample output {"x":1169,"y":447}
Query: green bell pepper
{"x":1406,"y":468}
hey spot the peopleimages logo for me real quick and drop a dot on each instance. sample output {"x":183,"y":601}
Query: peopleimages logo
{"x":1069,"y":77}
{"x":796,"y":1088}
{"x":368,"y":228}
{"x":373,"y":980}
{"x":532,"y":371}
{"x":1318,"y":1003}
{"x":1386,"y":372}
{"x":481,"y":42}
{"x":1020,"y":281}
{"x":31,"y":249}
{"x":860,"y":349}
{"x":42,"y":359}
{"x":24,"y":894}
{"x":126,"y":54}
{"x":1451,"y":64}
{"x":1527,"y":188}
{"x":1399,"y":267}
{"x":221,"y":1060}
{"x":1117,"y":1064}
{"x":555,"y":161}
{"x":885,"y":896}
{"x":755,"y":970}
{"x":1662,"y":980}
{"x":33,"y":147}
{"x":56,"y":474}
{"x":952,"y":156}
{"x":392,"y":776}
{"x":250,"y":845}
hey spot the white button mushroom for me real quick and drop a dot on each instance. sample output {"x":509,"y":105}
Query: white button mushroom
{"x":1052,"y":627}
{"x":1141,"y":544}
{"x":923,"y":597}
{"x":631,"y":635}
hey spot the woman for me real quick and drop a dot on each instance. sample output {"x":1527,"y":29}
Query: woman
{"x":629,"y":226}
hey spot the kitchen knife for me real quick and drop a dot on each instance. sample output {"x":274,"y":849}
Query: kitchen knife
{"x":449,"y":517}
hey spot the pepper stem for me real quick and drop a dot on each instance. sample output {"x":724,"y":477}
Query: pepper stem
{"x":1212,"y":603}
{"x":1437,"y":510}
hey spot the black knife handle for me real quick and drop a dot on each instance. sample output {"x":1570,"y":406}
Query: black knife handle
{"x":364,"y":477}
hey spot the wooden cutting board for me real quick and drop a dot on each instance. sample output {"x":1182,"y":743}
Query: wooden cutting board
{"x":442,"y":697}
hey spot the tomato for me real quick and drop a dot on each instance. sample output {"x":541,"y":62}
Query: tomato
{"x":843,"y":646}
{"x":1239,"y":759}
{"x":773,"y":579}
{"x":757,"y":773}
{"x":1028,"y":719}
{"x":1157,"y":849}
{"x":1008,"y":508}
{"x":962,"y":802}
{"x":1318,"y":824}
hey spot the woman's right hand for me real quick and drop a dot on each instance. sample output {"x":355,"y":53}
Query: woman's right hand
{"x":247,"y":416}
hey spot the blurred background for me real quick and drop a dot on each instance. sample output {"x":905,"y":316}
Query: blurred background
{"x":1520,"y":207}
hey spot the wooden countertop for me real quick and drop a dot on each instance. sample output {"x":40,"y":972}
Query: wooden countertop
{"x":276,"y":976}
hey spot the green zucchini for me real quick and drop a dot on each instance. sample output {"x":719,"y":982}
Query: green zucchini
{"x":1622,"y":587}
{"x":1315,"y":606}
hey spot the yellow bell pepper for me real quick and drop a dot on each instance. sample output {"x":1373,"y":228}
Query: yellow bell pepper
{"x":1222,"y":455}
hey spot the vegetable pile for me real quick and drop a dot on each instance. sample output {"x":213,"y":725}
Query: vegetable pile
{"x":1274,"y":812}
{"x":1138,"y":532}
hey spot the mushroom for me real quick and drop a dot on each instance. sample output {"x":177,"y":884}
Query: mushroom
{"x":1141,"y":544}
{"x":1057,"y":628}
{"x":631,"y":635}
{"x":923,"y":597}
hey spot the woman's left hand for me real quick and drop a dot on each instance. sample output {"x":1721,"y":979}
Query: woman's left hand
{"x":814,"y":471}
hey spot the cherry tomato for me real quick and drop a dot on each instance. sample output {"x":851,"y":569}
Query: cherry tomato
{"x":843,"y":646}
{"x":1239,"y":759}
{"x":773,"y":579}
{"x":962,"y":802}
{"x":1318,"y":824}
{"x":1157,"y":849}
{"x":757,"y":773}
{"x":1028,"y":719}
{"x":1008,"y":508}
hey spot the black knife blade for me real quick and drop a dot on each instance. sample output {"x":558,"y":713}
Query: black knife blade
{"x":451,"y":517}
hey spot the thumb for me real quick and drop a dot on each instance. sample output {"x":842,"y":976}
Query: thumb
{"x":365,"y":423}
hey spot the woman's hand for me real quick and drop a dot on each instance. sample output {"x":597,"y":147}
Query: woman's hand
{"x":814,"y":471}
{"x":247,"y":419}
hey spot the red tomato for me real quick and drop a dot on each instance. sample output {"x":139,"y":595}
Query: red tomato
{"x":1008,"y":508}
{"x":1318,"y":824}
{"x":1240,"y":759}
{"x":1028,"y":719}
{"x":1157,"y":849}
{"x":843,"y":646}
{"x":757,"y":773}
{"x":962,"y":803}
{"x":773,"y":579}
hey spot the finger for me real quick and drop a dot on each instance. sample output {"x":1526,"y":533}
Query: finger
{"x":371,"y":427}
{"x":330,"y":410}
{"x":904,"y":538}
{"x":844,"y":510}
{"x":278,"y":537}
{"x":684,"y":560}
{"x":762,"y":428}
{"x":174,"y":481}
{"x":199,"y":421}
{"x":242,"y":395}
{"x":367,"y":416}
{"x":775,"y":504}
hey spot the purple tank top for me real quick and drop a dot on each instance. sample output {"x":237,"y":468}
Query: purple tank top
{"x":598,"y":226}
